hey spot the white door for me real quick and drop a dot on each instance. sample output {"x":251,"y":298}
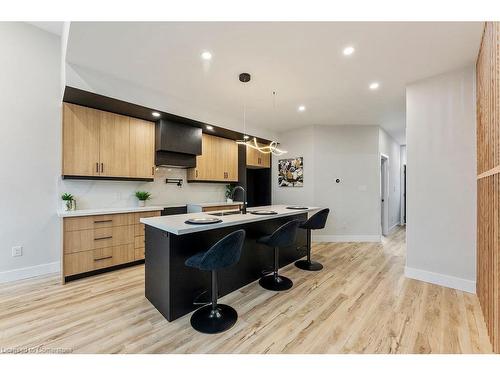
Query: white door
{"x":384,"y":202}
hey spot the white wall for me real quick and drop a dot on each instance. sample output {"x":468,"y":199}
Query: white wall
{"x":441,"y":180}
{"x":100,"y":194}
{"x":30,"y":150}
{"x":349,"y":153}
{"x":391,"y":148}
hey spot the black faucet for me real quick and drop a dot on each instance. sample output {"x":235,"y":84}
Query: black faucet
{"x":243,"y":208}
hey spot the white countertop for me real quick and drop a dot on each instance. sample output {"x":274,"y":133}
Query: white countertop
{"x":176,"y":223}
{"x":114,"y":210}
{"x":214,"y":204}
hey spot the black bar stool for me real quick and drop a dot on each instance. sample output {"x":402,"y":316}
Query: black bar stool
{"x":317,"y":221}
{"x":214,"y":317}
{"x":283,"y":236}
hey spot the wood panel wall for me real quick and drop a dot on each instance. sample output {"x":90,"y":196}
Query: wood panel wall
{"x":488,"y":179}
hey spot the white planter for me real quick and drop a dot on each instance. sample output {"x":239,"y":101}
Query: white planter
{"x":229,"y":200}
{"x":142,"y":203}
{"x":66,"y":206}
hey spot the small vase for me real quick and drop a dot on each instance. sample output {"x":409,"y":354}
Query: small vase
{"x":142,"y":203}
{"x":229,"y":200}
{"x":66,"y":206}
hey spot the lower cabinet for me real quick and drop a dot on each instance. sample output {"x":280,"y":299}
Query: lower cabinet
{"x":97,"y":242}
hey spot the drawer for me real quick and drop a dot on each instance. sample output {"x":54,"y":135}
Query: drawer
{"x":85,"y":261}
{"x":139,"y":228}
{"x":139,"y":241}
{"x":139,"y":253}
{"x":97,"y":221}
{"x":139,"y":215}
{"x":90,"y":239}
{"x":221,"y":208}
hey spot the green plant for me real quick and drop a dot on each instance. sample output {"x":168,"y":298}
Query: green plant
{"x":229,"y":191}
{"x":143,"y":195}
{"x":67,"y":197}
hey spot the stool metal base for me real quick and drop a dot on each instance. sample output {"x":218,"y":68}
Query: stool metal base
{"x":205,"y":320}
{"x":277,"y":283}
{"x":306,"y":265}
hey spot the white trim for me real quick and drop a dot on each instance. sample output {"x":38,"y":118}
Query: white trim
{"x":440,"y":279}
{"x":392,"y":228}
{"x":346,"y":238}
{"x":27,"y":272}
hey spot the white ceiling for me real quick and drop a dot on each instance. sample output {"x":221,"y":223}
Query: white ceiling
{"x":303,"y":62}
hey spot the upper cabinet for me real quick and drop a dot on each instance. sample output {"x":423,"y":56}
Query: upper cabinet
{"x":103,"y":144}
{"x":256,"y":159}
{"x":218,"y":161}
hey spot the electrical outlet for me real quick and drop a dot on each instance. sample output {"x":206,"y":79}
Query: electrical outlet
{"x":17,"y":251}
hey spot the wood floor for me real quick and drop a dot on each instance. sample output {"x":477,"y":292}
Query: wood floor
{"x":360,"y":303}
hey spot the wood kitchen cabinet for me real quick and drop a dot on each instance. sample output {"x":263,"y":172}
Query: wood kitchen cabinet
{"x":100,"y":144}
{"x":218,"y":161}
{"x":256,"y":159}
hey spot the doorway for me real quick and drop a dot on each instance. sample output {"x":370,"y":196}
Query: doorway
{"x":384,"y":194}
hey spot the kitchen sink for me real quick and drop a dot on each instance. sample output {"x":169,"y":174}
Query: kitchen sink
{"x":225,"y":213}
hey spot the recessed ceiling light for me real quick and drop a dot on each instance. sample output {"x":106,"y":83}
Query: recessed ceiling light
{"x":302,"y":108}
{"x":206,"y":55}
{"x":374,"y":85}
{"x":210,"y":127}
{"x":246,"y":137}
{"x":348,"y":51}
{"x":155,"y":114}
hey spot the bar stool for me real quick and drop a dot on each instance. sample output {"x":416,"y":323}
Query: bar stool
{"x":317,"y":221}
{"x":214,"y":317}
{"x":283,"y":236}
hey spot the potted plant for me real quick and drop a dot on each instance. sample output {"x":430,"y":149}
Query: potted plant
{"x":229,"y":193}
{"x":68,"y":202}
{"x":142,"y":196}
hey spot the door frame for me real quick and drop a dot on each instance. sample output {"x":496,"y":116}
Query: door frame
{"x":384,"y":194}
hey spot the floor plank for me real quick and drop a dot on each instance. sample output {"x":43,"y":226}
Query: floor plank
{"x":359,"y":303}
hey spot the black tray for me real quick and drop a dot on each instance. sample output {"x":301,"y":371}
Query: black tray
{"x":297,"y":208}
{"x":203,"y":221}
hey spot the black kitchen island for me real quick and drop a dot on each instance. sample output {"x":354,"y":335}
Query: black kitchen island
{"x":172,"y":287}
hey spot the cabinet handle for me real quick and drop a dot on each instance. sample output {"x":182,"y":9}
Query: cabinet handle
{"x":152,"y":170}
{"x":102,"y":167}
{"x":97,"y":259}
{"x":97,"y":167}
{"x":197,"y":173}
{"x":103,"y":238}
{"x":103,"y":221}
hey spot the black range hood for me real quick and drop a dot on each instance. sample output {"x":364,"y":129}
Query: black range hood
{"x":177,"y":144}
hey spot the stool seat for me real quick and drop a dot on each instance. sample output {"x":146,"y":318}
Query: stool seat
{"x":285,"y":235}
{"x":214,"y":317}
{"x":316,"y":221}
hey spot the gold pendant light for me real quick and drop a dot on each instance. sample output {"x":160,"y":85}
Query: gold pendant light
{"x":272,"y":148}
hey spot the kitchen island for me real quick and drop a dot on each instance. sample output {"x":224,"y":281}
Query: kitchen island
{"x":172,"y":287}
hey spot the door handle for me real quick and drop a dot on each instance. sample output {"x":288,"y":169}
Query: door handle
{"x":97,"y":167}
{"x":102,"y":167}
{"x":97,"y":259}
{"x":103,"y":238}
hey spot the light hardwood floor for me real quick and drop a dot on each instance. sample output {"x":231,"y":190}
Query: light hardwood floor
{"x":360,"y":303}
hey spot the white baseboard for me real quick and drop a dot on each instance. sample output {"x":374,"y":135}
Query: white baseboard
{"x":27,"y":272}
{"x":440,"y":279}
{"x":346,"y":238}
{"x":393,"y":228}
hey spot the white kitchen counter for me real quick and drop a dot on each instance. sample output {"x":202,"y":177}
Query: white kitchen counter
{"x":175,"y":224}
{"x":106,"y":211}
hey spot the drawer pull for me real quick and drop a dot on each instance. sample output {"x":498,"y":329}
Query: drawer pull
{"x":103,"y":221}
{"x":97,"y":259}
{"x":103,"y":238}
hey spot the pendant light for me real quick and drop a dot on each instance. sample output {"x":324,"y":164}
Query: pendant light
{"x":272,"y":148}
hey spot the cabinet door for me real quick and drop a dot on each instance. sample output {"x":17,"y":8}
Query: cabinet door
{"x":206,"y":163}
{"x":230,"y":160}
{"x":114,"y":145}
{"x":142,"y":148}
{"x":81,"y":127}
{"x":256,"y":159}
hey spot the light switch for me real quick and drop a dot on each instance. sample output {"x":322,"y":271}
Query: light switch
{"x":17,"y":251}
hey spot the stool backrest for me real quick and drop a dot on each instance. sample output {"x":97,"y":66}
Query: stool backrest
{"x":317,"y":221}
{"x":224,"y":253}
{"x":284,"y":235}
